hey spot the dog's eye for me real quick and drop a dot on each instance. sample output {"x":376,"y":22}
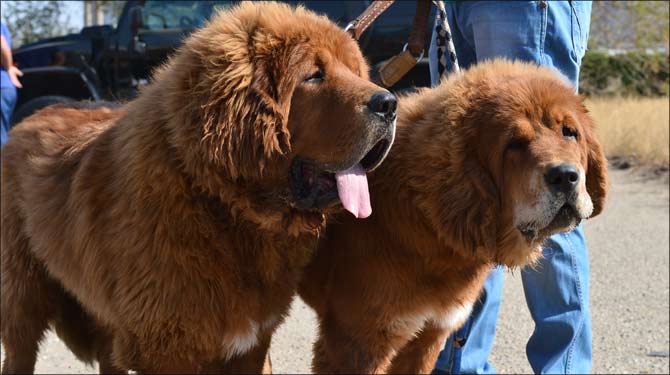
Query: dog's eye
{"x":517,"y":145}
{"x":569,"y":133}
{"x":315,"y":77}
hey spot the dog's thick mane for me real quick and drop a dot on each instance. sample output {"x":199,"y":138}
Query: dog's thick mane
{"x":464,"y":218}
{"x":240,"y":132}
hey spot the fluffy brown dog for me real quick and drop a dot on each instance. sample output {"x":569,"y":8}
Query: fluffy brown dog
{"x":484,"y":168}
{"x":169,"y":235}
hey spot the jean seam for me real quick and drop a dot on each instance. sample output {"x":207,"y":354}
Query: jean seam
{"x":578,"y":43}
{"x":543,"y":33}
{"x":573,"y":263}
{"x":574,"y":19}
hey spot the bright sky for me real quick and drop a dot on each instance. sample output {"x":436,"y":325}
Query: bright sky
{"x":73,"y":9}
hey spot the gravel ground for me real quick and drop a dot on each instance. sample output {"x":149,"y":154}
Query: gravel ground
{"x":628,"y":248}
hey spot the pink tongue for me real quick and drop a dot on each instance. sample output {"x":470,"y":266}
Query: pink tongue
{"x":352,"y":187}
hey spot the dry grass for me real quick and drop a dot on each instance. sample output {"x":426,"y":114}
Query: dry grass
{"x":636,"y":127}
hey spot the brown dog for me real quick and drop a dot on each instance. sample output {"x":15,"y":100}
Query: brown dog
{"x":484,"y":168}
{"x":169,"y":235}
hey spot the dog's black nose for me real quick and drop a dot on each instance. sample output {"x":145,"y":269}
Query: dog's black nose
{"x":562,"y":178}
{"x":384,"y":104}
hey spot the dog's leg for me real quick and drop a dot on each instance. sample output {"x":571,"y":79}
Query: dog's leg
{"x":419,"y":355}
{"x":255,"y":361}
{"x":166,"y":364}
{"x":362,"y":349}
{"x":86,"y":337}
{"x":151,"y":355}
{"x":106,"y":364}
{"x":25,"y":299}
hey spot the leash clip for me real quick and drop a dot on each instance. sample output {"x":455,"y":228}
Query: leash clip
{"x":404,"y":48}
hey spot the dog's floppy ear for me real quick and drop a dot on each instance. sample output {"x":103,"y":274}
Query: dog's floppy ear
{"x":241,"y":96}
{"x":276,"y":67}
{"x":596,"y":169}
{"x":465,"y":216}
{"x":471,"y":219}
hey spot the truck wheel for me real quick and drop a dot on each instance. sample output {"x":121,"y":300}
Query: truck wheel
{"x":34,"y":105}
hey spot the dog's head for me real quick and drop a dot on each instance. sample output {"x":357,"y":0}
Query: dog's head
{"x":524,"y":163}
{"x":277,"y":100}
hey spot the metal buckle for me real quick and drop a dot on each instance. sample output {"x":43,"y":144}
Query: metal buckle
{"x":404,"y":48}
{"x":349,"y":26}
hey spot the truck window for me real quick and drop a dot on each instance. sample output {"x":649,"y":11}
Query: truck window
{"x":160,"y":14}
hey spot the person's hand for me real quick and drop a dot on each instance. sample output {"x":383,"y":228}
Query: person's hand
{"x":14,"y":74}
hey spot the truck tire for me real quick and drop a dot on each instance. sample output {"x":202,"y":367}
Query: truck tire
{"x":34,"y":105}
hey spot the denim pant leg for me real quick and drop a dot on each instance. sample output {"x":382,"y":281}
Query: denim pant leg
{"x":555,"y":36}
{"x":557,"y":294}
{"x":7,"y":103}
{"x":3,"y":134}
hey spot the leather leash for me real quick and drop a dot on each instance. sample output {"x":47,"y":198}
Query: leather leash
{"x":397,"y":66}
{"x":357,"y":26}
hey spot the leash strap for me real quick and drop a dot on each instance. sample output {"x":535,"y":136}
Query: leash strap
{"x":357,"y":26}
{"x":417,"y":36}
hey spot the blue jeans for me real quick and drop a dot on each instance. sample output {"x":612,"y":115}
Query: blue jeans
{"x":552,"y":33}
{"x":6,"y":109}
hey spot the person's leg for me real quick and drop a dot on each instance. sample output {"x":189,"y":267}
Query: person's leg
{"x":3,"y":133}
{"x":484,"y":30}
{"x":7,"y":102}
{"x":550,"y":33}
{"x":557,"y":293}
{"x":568,"y":24}
{"x":554,"y":34}
{"x":467,"y":350}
